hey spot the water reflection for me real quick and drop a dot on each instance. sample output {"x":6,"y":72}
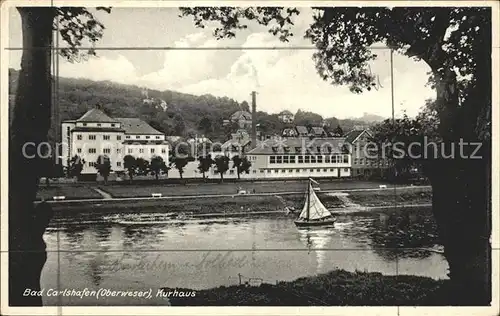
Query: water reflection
{"x":142,"y":250}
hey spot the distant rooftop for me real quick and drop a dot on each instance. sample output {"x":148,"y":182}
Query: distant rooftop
{"x":300,"y":146}
{"x":137,"y":126}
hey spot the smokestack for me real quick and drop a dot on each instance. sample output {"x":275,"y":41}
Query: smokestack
{"x":254,"y":119}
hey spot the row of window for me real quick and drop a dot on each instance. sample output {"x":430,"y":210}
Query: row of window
{"x":108,"y":137}
{"x":93,"y":164}
{"x":309,"y":159}
{"x":290,"y":170}
{"x":118,"y":150}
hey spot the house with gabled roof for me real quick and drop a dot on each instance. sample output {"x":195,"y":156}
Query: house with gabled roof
{"x":95,"y":133}
{"x":366,"y":160}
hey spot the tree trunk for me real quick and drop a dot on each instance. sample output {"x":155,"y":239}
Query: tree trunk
{"x":221,"y":177}
{"x":30,"y":124}
{"x":461,"y":205}
{"x":156,"y":176}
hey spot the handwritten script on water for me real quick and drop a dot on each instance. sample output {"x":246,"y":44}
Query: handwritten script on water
{"x":145,"y":262}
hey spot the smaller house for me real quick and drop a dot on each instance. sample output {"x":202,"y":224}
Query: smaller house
{"x":317,"y":131}
{"x":302,"y":131}
{"x":286,"y":116}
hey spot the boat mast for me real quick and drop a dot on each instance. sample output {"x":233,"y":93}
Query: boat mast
{"x":308,"y":197}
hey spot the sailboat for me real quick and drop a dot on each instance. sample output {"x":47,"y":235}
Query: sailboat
{"x":314,"y":212}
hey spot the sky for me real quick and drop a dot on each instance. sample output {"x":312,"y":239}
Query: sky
{"x":284,"y":79}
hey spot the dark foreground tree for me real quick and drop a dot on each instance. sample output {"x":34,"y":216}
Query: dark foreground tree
{"x":242,"y":164}
{"x":130,"y":163}
{"x":205,"y":162}
{"x":75,"y":166}
{"x":455,"y":42}
{"x":180,"y":162}
{"x":30,"y":123}
{"x":157,"y":166}
{"x":222,"y":165}
{"x":103,"y":166}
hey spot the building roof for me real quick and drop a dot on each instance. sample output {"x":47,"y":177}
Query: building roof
{"x":96,"y":115}
{"x":137,"y":126}
{"x":317,"y":130}
{"x":353,"y":135}
{"x":241,"y":115}
{"x":97,"y":129}
{"x":300,"y":146}
{"x":285,"y":112}
{"x":145,"y":142}
{"x":302,"y":129}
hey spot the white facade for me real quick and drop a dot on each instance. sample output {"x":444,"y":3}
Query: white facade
{"x":96,"y":134}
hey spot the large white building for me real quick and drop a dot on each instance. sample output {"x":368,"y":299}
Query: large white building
{"x":95,"y":134}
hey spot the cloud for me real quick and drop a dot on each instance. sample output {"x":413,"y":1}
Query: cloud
{"x":288,"y":80}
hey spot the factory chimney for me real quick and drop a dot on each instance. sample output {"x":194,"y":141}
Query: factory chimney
{"x":254,"y":119}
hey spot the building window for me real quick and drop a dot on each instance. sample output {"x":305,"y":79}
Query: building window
{"x":261,"y":171}
{"x":319,"y":159}
{"x":311,"y":170}
{"x":346,"y":158}
{"x":152,"y":150}
{"x":92,"y":150}
{"x":301,"y":159}
{"x":106,"y":137}
{"x":292,"y":159}
{"x":79,"y":150}
{"x":272,"y":159}
{"x":118,"y":150}
{"x":79,"y":137}
{"x":112,"y":124}
{"x":163,"y":151}
{"x":84,"y":124}
{"x":361,"y":161}
{"x":137,"y":137}
{"x":318,"y":170}
{"x":346,"y":169}
{"x":147,"y":137}
{"x":106,"y":151}
{"x":130,"y":150}
{"x":157,"y":137}
{"x":355,"y":161}
{"x":283,"y":171}
{"x":327,"y":159}
{"x":92,"y":137}
{"x":285,"y":159}
{"x":325,"y":170}
{"x":98,"y":124}
{"x":141,"y":150}
{"x":275,"y":170}
{"x":231,"y":171}
{"x":313,"y":159}
{"x":279,"y":159}
{"x":290,"y":170}
{"x":127,"y":137}
{"x":254,"y":171}
{"x":331,"y":170}
{"x":307,"y":159}
{"x":118,"y":163}
{"x":118,"y":137}
{"x":297,"y":170}
{"x":91,"y":164}
{"x":268,"y":171}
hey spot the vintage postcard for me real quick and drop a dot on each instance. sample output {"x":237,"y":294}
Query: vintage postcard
{"x":243,"y":158}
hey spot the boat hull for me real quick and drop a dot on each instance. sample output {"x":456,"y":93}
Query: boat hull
{"x":304,"y":223}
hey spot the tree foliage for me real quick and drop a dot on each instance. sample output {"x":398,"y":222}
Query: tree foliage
{"x":157,"y":166}
{"x":205,"y":162}
{"x":103,"y":166}
{"x":242,"y":164}
{"x":130,"y":163}
{"x":75,"y":166}
{"x":222,"y":165}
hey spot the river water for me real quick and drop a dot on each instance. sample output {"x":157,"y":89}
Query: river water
{"x":149,"y":251}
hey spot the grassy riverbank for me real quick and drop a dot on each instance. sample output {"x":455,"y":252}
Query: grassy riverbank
{"x":336,"y":288}
{"x":249,"y":204}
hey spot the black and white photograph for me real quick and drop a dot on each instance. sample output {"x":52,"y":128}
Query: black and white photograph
{"x":237,"y":154}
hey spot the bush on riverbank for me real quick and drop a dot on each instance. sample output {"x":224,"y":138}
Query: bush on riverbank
{"x":336,"y":288}
{"x":388,"y":197}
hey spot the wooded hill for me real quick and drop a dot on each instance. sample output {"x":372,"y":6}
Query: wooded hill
{"x":186,"y":115}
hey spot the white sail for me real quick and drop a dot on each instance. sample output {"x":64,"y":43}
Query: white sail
{"x":316,"y":209}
